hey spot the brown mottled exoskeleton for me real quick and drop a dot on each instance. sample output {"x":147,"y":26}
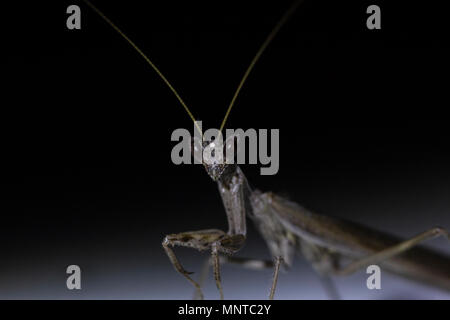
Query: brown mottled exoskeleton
{"x":288,"y":228}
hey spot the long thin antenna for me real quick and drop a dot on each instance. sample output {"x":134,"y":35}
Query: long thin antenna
{"x":146,"y":59}
{"x":269,"y":38}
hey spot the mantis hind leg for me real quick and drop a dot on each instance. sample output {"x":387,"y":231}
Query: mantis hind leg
{"x":276,"y":271}
{"x":391,"y":251}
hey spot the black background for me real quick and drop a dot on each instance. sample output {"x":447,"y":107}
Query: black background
{"x":86,"y":173}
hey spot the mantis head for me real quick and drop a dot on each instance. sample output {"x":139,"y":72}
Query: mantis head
{"x":213,"y":156}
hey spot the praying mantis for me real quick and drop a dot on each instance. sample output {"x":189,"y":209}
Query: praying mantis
{"x":288,"y":228}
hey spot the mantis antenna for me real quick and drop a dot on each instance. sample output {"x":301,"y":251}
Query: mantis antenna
{"x":269,"y":38}
{"x":148,"y":61}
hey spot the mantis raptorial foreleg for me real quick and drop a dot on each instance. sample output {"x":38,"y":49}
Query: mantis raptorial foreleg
{"x":174,"y":260}
{"x":212,"y":239}
{"x":391,"y":251}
